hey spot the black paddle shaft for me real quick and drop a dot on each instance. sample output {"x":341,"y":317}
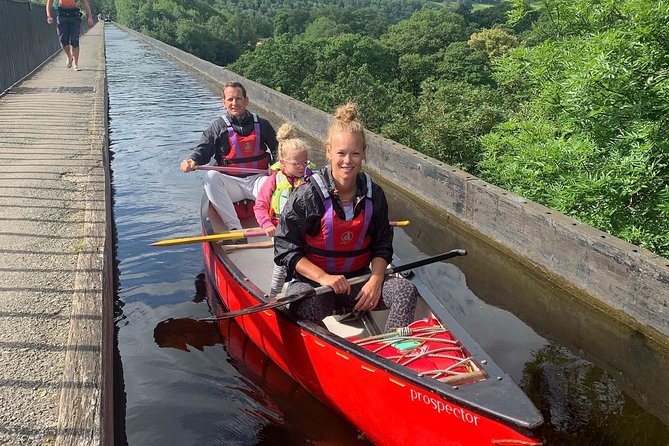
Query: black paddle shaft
{"x":326,"y":289}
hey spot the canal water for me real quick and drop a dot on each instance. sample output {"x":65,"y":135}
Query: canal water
{"x":179,"y":382}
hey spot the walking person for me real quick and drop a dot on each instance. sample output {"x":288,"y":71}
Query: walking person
{"x":239,"y":138}
{"x":336,"y":227}
{"x":68,"y":24}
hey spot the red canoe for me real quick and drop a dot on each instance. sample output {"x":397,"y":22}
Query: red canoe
{"x":429,"y":385}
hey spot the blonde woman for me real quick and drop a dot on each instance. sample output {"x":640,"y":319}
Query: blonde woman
{"x":336,"y":227}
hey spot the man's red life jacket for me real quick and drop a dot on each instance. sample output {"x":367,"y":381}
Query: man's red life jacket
{"x":245,"y":151}
{"x":341,"y":246}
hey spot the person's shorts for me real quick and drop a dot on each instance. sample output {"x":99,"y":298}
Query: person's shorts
{"x":68,"y":27}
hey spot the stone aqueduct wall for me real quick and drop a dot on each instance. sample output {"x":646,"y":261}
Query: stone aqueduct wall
{"x":623,"y":279}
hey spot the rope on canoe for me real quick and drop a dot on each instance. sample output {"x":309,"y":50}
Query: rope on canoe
{"x":421,"y":335}
{"x":400,"y":334}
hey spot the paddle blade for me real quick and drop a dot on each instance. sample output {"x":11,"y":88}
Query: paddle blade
{"x":266,"y":306}
{"x":200,"y":239}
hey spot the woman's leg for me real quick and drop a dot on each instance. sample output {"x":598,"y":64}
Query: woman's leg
{"x":400,"y":295}
{"x":75,"y":29}
{"x":312,"y":309}
{"x":63,"y":29}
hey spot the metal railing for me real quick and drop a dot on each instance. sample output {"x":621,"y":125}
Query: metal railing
{"x":26,"y":40}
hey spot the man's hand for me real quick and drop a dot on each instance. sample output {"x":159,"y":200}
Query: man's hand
{"x":90,"y":21}
{"x":49,"y":19}
{"x":187,"y":165}
{"x":270,"y":230}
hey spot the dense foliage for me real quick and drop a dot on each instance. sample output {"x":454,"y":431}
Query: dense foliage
{"x":590,"y":136}
{"x":563,"y":102}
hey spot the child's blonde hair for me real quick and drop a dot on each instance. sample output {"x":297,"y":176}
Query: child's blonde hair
{"x":289,"y":143}
{"x":346,"y":120}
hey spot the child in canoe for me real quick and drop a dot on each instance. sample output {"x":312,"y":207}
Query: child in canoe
{"x":290,"y":172}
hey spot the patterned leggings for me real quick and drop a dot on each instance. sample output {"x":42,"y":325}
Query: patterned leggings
{"x":398,"y":294}
{"x":278,"y":279}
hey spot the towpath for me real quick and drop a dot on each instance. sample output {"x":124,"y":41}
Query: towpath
{"x":54,"y":253}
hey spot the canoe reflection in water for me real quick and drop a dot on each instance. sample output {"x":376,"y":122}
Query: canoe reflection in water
{"x":293,"y":415}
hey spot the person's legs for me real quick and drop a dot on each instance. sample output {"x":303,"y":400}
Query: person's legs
{"x":63,"y":29}
{"x":398,"y":294}
{"x":67,"y":49}
{"x":401,"y":296}
{"x":257,"y":183}
{"x":75,"y":57}
{"x":75,"y":29}
{"x":310,"y":309}
{"x":278,"y":279}
{"x":222,"y":190}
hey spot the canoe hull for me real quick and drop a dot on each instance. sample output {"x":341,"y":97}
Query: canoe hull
{"x":386,"y":406}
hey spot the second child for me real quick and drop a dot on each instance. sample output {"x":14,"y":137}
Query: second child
{"x":291,"y":171}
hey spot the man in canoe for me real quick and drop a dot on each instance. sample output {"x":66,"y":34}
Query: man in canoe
{"x":238,"y":139}
{"x":336,"y":227}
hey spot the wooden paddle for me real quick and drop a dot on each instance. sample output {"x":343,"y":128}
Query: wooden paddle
{"x":226,"y":169}
{"x":257,"y":245}
{"x":285,"y":300}
{"x":233,"y":235}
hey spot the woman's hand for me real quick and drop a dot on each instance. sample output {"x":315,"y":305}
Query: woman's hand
{"x":370,"y":294}
{"x":339,"y":284}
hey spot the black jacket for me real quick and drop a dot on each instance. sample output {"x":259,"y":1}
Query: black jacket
{"x":214,"y":140}
{"x":303,"y":212}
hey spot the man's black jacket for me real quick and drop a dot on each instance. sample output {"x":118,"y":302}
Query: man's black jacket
{"x":214,"y":140}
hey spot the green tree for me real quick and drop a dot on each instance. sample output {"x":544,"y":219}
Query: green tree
{"x":493,"y":42}
{"x":380,"y":103}
{"x":594,"y":120}
{"x":449,"y":121}
{"x":292,"y":21}
{"x":496,"y":15}
{"x":345,"y":53}
{"x":426,"y":32}
{"x":279,"y":63}
{"x":459,"y":63}
{"x":414,"y":69}
{"x":242,"y":26}
{"x":325,"y":27}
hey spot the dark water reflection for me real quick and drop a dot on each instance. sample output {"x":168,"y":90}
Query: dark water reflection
{"x":595,"y":382}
